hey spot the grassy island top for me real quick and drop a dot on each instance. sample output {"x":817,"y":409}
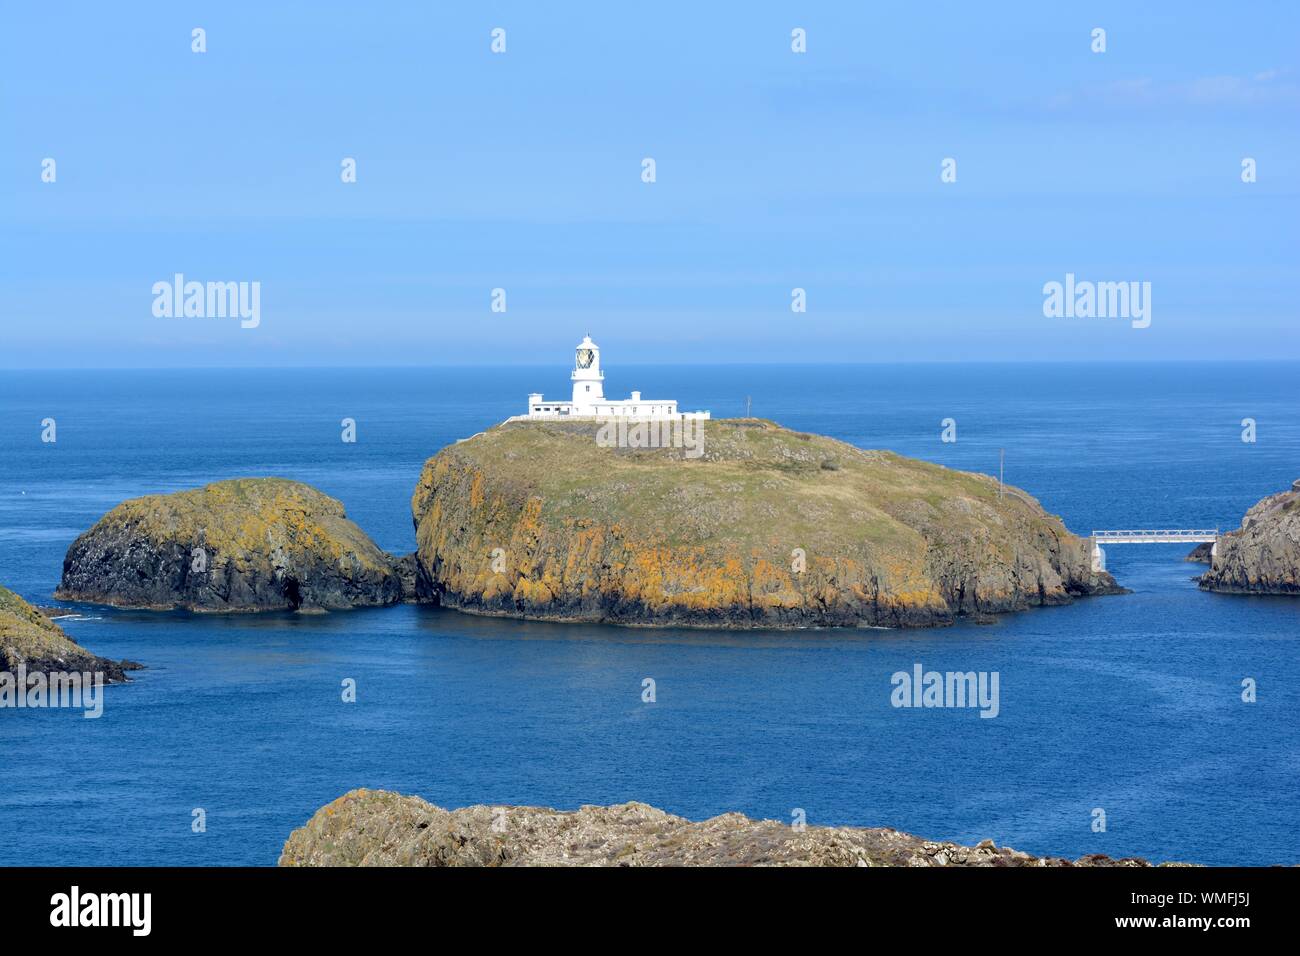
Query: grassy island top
{"x":29,"y":632}
{"x":755,"y":484}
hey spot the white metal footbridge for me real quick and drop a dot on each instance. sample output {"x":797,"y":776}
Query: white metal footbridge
{"x":1150,"y":536}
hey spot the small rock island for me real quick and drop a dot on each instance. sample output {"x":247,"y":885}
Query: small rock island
{"x":31,"y":640}
{"x":1263,"y":555}
{"x":380,"y":828}
{"x":248,"y":544}
{"x":756,"y":526}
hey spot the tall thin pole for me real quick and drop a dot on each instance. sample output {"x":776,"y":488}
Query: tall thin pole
{"x":747,"y":406}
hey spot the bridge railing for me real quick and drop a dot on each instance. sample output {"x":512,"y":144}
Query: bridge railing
{"x":1183,"y":531}
{"x":1157,"y":534}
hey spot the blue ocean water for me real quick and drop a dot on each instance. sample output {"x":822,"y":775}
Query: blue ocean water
{"x":1131,"y":704}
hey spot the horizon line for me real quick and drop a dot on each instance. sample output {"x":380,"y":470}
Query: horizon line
{"x":696,"y":364}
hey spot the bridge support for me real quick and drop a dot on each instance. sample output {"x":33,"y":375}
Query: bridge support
{"x":1098,"y":557}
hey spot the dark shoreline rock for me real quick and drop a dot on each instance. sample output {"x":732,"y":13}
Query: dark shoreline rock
{"x":540,"y":520}
{"x":380,"y":828}
{"x":1263,"y":555}
{"x":30,"y":640}
{"x":407,"y":569}
{"x":250,"y":544}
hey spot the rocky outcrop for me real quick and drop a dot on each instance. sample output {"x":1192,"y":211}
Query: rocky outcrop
{"x":408,"y":575}
{"x":764,"y":527}
{"x":1203,"y":553}
{"x":1263,"y":555}
{"x":378,"y":828}
{"x":251,"y":544}
{"x":30,"y":640}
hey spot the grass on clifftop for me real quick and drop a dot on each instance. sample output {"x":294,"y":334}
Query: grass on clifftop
{"x":244,"y":513}
{"x":752,"y":477}
{"x":30,"y":632}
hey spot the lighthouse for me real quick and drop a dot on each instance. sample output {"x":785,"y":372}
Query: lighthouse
{"x":588,"y":379}
{"x":589,"y":399}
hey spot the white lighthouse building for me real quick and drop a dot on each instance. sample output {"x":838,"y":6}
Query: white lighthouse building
{"x":589,"y":399}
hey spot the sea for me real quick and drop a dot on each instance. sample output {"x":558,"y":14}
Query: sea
{"x":1124,"y":724}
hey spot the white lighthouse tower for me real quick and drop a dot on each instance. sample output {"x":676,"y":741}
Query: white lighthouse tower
{"x":588,"y":379}
{"x":589,"y":399}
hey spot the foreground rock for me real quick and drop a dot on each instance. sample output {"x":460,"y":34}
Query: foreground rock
{"x":251,"y":544}
{"x":766,"y":528}
{"x":1263,"y":555}
{"x":379,"y":828}
{"x":31,"y":640}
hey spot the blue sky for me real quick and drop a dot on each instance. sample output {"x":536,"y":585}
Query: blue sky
{"x":523,"y":171}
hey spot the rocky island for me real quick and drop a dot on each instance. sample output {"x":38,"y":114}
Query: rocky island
{"x":31,"y":640}
{"x":760,"y":527}
{"x":380,"y":828}
{"x":1263,"y":555}
{"x":249,"y":544}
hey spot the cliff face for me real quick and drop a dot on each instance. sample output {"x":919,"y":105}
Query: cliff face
{"x":1263,"y":555}
{"x":250,"y":544}
{"x":766,"y":528}
{"x":30,"y":639}
{"x":377,"y":828}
